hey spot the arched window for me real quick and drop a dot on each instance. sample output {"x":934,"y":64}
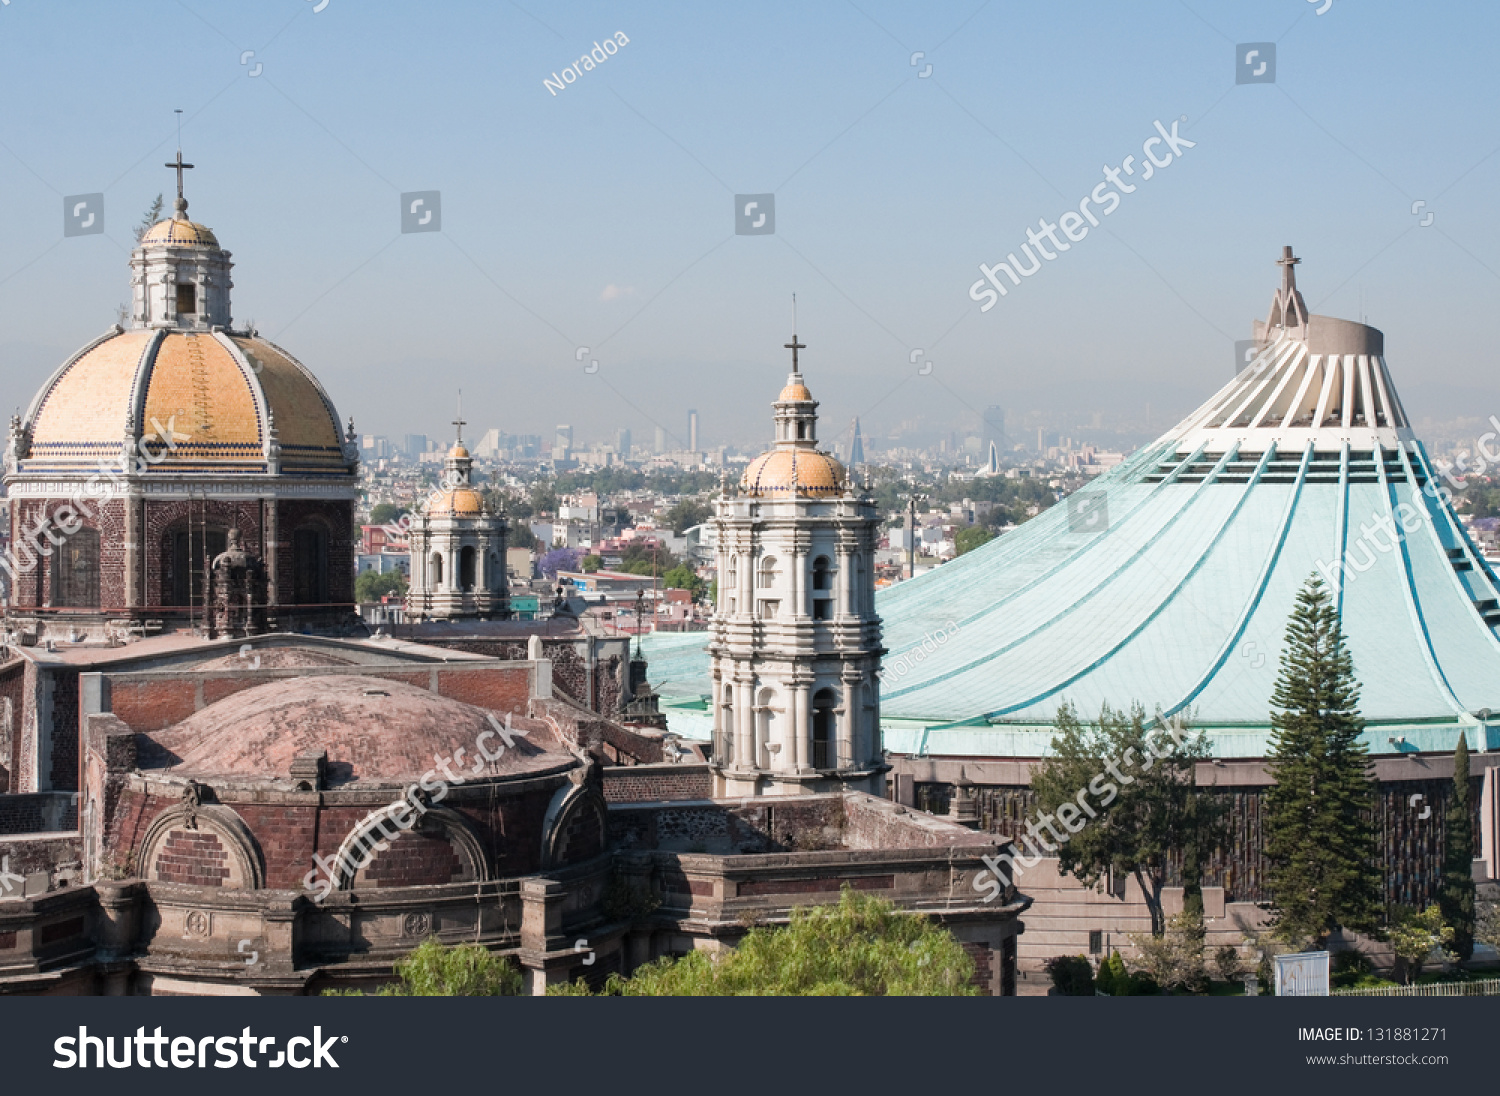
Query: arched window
{"x":310,"y":565}
{"x":768,"y":572}
{"x":189,"y":546}
{"x":75,"y":571}
{"x":466,"y":568}
{"x":823,"y":738}
{"x":822,"y":576}
{"x":436,"y":570}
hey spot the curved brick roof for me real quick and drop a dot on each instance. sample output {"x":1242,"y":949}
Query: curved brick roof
{"x":375,"y":732}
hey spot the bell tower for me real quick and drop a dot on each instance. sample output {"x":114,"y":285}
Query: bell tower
{"x":796,"y":645}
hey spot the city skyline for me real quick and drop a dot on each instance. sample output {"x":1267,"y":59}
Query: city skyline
{"x":889,"y":192}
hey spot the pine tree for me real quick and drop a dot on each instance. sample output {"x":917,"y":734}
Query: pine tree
{"x":1320,"y":844}
{"x":1456,"y":897}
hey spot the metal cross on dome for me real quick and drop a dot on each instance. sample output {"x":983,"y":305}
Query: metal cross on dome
{"x":794,"y":346}
{"x":181,"y":167}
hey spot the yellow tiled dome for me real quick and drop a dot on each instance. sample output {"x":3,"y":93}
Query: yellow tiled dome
{"x":211,"y":391}
{"x":793,"y":471}
{"x":180,"y":234}
{"x":458,"y":452}
{"x":462,"y":502}
{"x":796,"y":391}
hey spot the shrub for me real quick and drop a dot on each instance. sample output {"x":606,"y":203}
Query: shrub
{"x":436,"y":970}
{"x":1227,"y":962}
{"x":1072,"y":975}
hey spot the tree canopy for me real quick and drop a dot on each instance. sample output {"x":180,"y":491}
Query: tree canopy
{"x":862,"y":947}
{"x":370,"y":586}
{"x":436,"y":970}
{"x":1123,"y":790}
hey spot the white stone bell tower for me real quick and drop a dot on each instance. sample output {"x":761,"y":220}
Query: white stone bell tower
{"x":457,"y":549}
{"x":796,"y":644}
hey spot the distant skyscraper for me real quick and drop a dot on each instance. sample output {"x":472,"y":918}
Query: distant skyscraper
{"x":622,"y":443}
{"x":489,"y":445}
{"x":994,"y":429}
{"x":416,"y":445}
{"x":692,"y":431}
{"x":661,"y":440}
{"x":856,"y":446}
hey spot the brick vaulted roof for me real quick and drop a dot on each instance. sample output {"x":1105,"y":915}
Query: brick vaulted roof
{"x":375,"y":731}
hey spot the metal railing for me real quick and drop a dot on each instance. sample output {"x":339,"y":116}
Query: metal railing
{"x":1488,"y":987}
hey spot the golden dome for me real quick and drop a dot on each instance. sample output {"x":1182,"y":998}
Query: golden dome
{"x":793,"y":471}
{"x":458,"y":452}
{"x":211,"y":392}
{"x":180,"y":234}
{"x":794,"y":391}
{"x":460,"y":502}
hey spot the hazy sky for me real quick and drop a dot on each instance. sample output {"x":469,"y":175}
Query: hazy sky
{"x":603,"y":216}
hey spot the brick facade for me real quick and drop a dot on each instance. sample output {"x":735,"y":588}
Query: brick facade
{"x":33,"y":589}
{"x":193,"y":857}
{"x":413,"y":860}
{"x":657,"y":783}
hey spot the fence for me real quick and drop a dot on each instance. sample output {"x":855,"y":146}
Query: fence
{"x":1489,"y":987}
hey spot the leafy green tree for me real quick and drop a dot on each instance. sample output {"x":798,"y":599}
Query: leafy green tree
{"x":1227,"y":962}
{"x":1457,"y":894}
{"x":370,"y":586}
{"x":544,"y":499}
{"x":1320,"y":844}
{"x":688,"y":513}
{"x":436,"y":970}
{"x":1487,"y":924}
{"x":1414,"y":935}
{"x":1174,"y":959}
{"x":654,"y":558}
{"x":862,"y":947}
{"x":384,"y":513}
{"x":590,"y":563}
{"x":1071,"y":975}
{"x":971,"y":537}
{"x":683,"y":577}
{"x":1138,"y":781}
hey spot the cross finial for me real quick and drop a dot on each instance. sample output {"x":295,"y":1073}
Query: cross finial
{"x":460,"y":422}
{"x":1288,"y":275}
{"x":794,"y":346}
{"x":181,"y":205}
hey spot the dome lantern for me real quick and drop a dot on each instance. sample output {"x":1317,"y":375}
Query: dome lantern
{"x":795,"y":467}
{"x":179,"y":273}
